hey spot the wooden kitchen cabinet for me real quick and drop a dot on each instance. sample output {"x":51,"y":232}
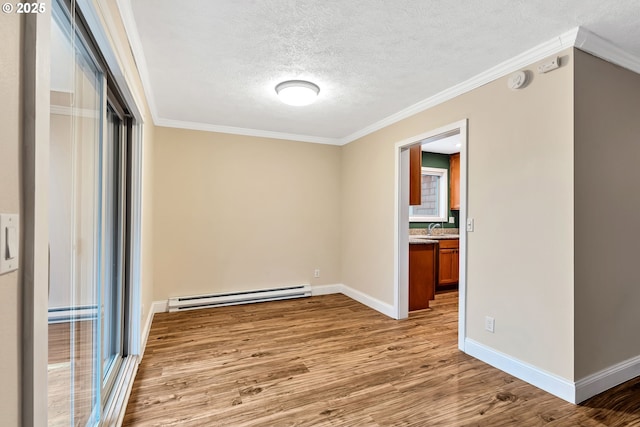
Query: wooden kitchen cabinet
{"x":422,"y":275}
{"x":448,"y":262}
{"x":415,"y":175}
{"x":454,"y":182}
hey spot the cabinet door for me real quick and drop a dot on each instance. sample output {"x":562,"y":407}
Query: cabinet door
{"x":415,"y":175}
{"x":455,"y":273}
{"x":454,"y":181}
{"x":422,"y":265}
{"x":448,"y":265}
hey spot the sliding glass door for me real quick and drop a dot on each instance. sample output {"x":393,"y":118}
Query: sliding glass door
{"x":77,"y":86}
{"x":114,"y":151}
{"x":89,"y":223}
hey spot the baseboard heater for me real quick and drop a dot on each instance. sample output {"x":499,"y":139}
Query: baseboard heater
{"x":234,"y":298}
{"x":72,"y":314}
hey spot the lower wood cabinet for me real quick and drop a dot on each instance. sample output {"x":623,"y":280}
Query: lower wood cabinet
{"x":448,"y":262}
{"x":422,"y":277}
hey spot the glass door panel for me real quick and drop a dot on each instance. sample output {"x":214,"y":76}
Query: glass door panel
{"x":74,"y":222}
{"x":113,"y":246}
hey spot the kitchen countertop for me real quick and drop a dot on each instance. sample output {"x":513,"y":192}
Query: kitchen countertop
{"x":424,"y":239}
{"x":413,"y":240}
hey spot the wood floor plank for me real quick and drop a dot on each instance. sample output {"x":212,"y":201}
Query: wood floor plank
{"x":330,"y":361}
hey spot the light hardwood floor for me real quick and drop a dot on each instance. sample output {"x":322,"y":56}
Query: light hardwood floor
{"x":66,"y":376}
{"x":330,"y":361}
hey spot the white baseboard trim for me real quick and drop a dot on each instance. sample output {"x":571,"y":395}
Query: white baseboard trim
{"x":361,"y":297}
{"x":156,"y":307}
{"x":160,"y":306}
{"x":369,"y":301}
{"x":607,"y":378}
{"x":546,"y":381}
{"x":326,"y":289}
{"x":145,"y":332}
{"x":573,"y":392}
{"x":336,"y":288}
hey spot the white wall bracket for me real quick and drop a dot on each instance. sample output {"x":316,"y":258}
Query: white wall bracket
{"x":549,"y":65}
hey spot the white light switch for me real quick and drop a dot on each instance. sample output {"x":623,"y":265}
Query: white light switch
{"x":470,"y":224}
{"x":9,"y":242}
{"x":12,"y":242}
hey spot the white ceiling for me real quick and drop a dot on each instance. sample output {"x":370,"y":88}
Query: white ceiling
{"x":214,"y":64}
{"x":445,"y":145}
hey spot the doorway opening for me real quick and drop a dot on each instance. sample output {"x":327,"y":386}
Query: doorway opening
{"x":436,"y":215}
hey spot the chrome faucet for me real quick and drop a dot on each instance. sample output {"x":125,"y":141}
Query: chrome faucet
{"x":432,"y":226}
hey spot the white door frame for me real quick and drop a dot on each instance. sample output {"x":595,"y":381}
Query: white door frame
{"x":401,"y":224}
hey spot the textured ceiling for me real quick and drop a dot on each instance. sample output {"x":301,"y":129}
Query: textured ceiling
{"x":216,"y":63}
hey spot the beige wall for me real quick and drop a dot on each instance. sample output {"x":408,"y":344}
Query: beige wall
{"x":10,"y":137}
{"x":520,"y":174}
{"x":607,"y":202}
{"x":241,"y":213}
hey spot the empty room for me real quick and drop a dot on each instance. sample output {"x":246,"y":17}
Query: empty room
{"x":278,"y":213}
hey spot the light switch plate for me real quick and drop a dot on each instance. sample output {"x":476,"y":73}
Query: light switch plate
{"x":470,"y":224}
{"x":9,"y":242}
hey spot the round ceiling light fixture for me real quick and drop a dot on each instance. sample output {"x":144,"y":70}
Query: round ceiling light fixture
{"x":297,"y":92}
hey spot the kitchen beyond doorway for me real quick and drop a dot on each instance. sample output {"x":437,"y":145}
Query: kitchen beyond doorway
{"x":431,"y":212}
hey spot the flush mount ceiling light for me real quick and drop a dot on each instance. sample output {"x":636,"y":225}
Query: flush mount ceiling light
{"x":297,"y":92}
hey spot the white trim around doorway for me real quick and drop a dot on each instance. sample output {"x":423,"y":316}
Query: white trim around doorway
{"x":401,"y":224}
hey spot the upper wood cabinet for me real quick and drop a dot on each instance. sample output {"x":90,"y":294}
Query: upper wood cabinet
{"x":454,"y":182}
{"x":415,"y":175}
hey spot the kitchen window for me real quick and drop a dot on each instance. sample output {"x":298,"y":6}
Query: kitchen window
{"x":434,"y":192}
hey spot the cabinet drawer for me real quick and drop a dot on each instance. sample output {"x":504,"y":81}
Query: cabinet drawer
{"x":449,"y":243}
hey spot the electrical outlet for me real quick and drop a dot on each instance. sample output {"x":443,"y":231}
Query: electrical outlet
{"x":316,"y":273}
{"x":489,"y":324}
